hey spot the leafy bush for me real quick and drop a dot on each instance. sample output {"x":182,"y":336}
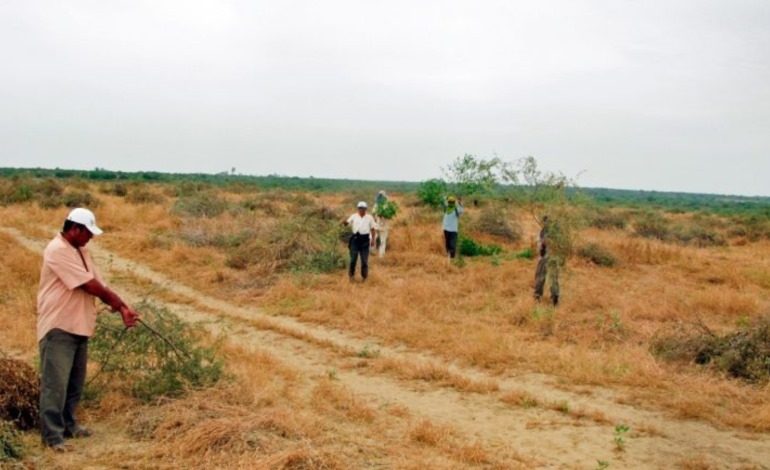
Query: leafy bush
{"x":431,"y":192}
{"x":597,"y":254}
{"x":652,"y":225}
{"x":19,"y":393}
{"x":201,"y":205}
{"x":142,"y":363}
{"x":10,"y":442}
{"x":698,"y":235}
{"x":744,"y":353}
{"x":79,"y":199}
{"x":608,"y":220}
{"x":469,"y":247}
{"x":308,"y":241}
{"x":753,"y":227}
{"x":144,"y":196}
{"x":494,"y":221}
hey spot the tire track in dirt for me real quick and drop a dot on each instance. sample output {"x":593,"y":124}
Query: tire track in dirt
{"x":547,"y":435}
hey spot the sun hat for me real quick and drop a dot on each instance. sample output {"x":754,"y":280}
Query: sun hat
{"x":85,"y":217}
{"x":362,"y":205}
{"x":451,"y":199}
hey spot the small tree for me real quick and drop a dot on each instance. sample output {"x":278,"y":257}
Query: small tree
{"x":472,"y":176}
{"x":431,"y":192}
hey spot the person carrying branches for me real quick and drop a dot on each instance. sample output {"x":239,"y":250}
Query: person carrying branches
{"x":66,"y":318}
{"x":548,"y":265}
{"x":453,"y":208}
{"x":384,"y":210}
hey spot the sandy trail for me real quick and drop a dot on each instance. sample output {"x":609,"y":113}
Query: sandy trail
{"x":549,"y":437}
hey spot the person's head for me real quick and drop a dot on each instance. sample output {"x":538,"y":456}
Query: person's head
{"x":451,"y":200}
{"x":361,"y":206}
{"x":80,"y":226}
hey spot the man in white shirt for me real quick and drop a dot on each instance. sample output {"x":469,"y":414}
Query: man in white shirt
{"x":363,"y":227}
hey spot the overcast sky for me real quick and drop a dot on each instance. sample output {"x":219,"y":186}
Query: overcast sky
{"x":666,"y":95}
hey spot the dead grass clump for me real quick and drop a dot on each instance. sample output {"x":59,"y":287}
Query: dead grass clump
{"x":652,"y":225}
{"x":427,"y":433}
{"x":302,"y":458}
{"x":200,"y":204}
{"x":519,"y":398}
{"x":743,"y":354}
{"x":19,"y":393}
{"x":342,"y":400}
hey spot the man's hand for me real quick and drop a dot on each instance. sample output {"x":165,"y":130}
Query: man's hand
{"x":130,"y":316}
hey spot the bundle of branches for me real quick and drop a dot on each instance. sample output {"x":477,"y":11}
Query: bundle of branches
{"x":161,"y":357}
{"x":19,"y":391}
{"x":744,"y":353}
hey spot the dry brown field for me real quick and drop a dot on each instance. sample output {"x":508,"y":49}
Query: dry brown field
{"x":429,"y":364}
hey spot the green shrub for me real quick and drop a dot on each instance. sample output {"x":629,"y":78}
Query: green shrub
{"x":493,"y":221}
{"x":652,"y":225}
{"x":469,"y":247}
{"x":10,"y":442}
{"x":431,"y":192}
{"x":144,"y":196}
{"x":308,"y":241}
{"x":698,"y":235}
{"x":146,"y":366}
{"x":79,"y":199}
{"x":608,"y":220}
{"x":597,"y":254}
{"x":201,"y":205}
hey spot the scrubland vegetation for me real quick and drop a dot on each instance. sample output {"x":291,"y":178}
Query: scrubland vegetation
{"x":664,"y":303}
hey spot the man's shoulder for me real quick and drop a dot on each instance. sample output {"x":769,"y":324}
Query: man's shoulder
{"x":56,"y":244}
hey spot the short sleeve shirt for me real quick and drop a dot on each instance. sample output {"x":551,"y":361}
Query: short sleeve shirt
{"x":362,"y":225}
{"x":61,"y":303}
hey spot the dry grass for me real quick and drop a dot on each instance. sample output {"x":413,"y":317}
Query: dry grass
{"x":480,"y":315}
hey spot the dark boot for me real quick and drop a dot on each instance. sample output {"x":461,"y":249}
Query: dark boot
{"x":555,"y":300}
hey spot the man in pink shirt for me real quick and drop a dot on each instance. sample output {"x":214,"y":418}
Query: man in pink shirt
{"x":69,"y":284}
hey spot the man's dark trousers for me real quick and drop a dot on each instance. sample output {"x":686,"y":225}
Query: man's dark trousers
{"x":450,"y":242}
{"x":359,"y":246}
{"x":63,"y":358}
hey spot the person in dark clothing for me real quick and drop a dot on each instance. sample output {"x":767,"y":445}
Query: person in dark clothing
{"x":362,"y":238}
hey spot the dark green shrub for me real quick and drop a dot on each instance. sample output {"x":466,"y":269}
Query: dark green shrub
{"x":432,"y":192}
{"x":597,"y":254}
{"x":469,"y":247}
{"x":386,"y":210}
{"x":10,"y":442}
{"x":147,"y":366}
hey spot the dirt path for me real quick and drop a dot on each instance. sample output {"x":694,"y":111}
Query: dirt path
{"x":552,"y":438}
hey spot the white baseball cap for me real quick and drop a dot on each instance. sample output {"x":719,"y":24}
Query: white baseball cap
{"x":362,"y":204}
{"x":85,"y":217}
